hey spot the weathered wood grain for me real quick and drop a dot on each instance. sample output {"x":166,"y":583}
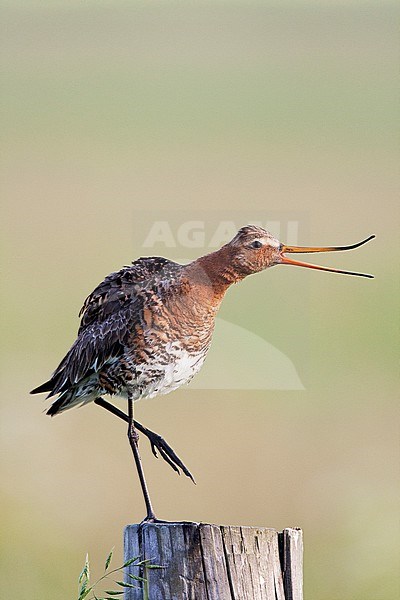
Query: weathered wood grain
{"x":212,"y":562}
{"x":292,"y":559}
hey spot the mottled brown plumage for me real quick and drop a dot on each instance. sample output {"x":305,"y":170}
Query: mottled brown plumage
{"x":146,"y":329}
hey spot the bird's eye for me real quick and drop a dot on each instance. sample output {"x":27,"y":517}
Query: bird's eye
{"x":256,"y":244}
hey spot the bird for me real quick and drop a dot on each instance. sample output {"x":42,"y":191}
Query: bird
{"x":146,"y":329}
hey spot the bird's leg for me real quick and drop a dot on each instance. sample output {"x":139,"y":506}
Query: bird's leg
{"x":156,"y":440}
{"x":133,"y":437}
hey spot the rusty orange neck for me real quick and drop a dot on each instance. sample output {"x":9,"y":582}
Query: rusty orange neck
{"x":214,"y":273}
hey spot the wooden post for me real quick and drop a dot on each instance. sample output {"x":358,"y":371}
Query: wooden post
{"x":215,"y":562}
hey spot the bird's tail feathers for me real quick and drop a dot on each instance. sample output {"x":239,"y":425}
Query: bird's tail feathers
{"x":68,"y":395}
{"x":67,"y":400}
{"x":57,"y":406}
{"x":45,"y":387}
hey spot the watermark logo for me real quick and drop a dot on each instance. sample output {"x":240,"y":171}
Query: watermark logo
{"x":199,"y":234}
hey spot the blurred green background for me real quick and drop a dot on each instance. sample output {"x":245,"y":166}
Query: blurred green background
{"x":110,"y":108}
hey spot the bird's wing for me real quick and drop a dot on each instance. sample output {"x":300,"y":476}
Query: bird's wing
{"x":108,"y":317}
{"x":100,"y":343}
{"x":120,"y":288}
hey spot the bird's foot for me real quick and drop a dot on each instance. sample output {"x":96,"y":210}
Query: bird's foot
{"x":158,"y":443}
{"x":153,"y":519}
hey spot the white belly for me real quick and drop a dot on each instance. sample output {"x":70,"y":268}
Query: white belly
{"x":179,"y":371}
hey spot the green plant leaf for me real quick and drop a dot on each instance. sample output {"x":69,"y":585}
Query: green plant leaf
{"x":85,"y":573}
{"x":81,"y":576}
{"x":125,"y":584}
{"x":114,"y":593}
{"x":130,"y":561}
{"x":155,"y":567}
{"x":108,"y":561}
{"x":84,"y":591}
{"x":136,"y":577}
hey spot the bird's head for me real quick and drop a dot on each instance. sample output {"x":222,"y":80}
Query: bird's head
{"x":254,"y":249}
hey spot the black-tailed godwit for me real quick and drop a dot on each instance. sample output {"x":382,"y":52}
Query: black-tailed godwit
{"x":146,"y":329}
